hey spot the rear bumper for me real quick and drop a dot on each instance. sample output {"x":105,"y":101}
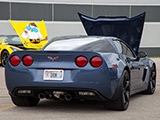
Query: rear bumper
{"x":75,"y":92}
{"x":102,"y":82}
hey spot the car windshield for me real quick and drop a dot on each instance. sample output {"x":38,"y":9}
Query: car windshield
{"x":69,"y":44}
{"x":11,"y":40}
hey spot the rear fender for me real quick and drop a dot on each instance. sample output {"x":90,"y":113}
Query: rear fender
{"x":113,"y":60}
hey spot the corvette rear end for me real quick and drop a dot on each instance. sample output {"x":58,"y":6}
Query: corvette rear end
{"x":55,"y":74}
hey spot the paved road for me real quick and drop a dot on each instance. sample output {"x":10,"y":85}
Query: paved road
{"x":142,"y":107}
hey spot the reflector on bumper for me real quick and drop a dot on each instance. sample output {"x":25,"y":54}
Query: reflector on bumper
{"x":24,"y":91}
{"x":86,"y":93}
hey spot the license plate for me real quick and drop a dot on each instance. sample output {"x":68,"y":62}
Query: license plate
{"x":53,"y":74}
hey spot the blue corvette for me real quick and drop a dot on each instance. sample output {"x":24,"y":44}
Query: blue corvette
{"x":94,"y":67}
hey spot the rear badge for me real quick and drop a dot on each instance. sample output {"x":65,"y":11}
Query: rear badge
{"x":53,"y":59}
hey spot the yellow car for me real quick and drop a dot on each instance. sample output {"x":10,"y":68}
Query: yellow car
{"x":9,"y":44}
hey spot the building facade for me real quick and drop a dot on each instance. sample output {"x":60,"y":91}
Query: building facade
{"x":61,"y":16}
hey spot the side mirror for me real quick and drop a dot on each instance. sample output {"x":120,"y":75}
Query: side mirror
{"x":141,"y":55}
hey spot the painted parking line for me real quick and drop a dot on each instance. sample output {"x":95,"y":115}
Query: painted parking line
{"x":7,"y":107}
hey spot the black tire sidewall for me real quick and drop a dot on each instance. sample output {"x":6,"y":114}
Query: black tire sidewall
{"x":117,"y":102}
{"x":149,"y":89}
{"x":121,"y":90}
{"x":4,"y":52}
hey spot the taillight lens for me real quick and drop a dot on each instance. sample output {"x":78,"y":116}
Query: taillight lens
{"x":81,"y":61}
{"x":27,"y":60}
{"x":96,"y":61}
{"x":114,"y":66}
{"x":15,"y":60}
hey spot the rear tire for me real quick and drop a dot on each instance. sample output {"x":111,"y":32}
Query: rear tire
{"x":4,"y":56}
{"x":25,"y":101}
{"x":122,"y":101}
{"x":152,"y":82}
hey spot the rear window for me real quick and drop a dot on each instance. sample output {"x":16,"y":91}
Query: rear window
{"x":98,"y":46}
{"x":69,"y":44}
{"x":81,"y":44}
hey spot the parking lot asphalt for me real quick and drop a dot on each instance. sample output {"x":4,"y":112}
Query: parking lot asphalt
{"x":141,"y":107}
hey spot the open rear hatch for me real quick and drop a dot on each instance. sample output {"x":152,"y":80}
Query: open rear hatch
{"x":127,"y":29}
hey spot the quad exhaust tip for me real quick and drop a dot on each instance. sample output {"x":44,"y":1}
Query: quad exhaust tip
{"x":41,"y":95}
{"x":68,"y":97}
{"x":61,"y":96}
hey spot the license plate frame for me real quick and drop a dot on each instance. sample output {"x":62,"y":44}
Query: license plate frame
{"x":53,"y":74}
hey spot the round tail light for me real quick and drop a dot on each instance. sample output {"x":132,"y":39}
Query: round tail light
{"x":15,"y":60}
{"x":81,"y":61}
{"x":96,"y":61}
{"x":27,"y":60}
